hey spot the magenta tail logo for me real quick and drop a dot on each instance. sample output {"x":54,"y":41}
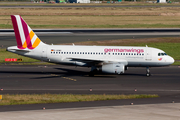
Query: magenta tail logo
{"x":25,"y":37}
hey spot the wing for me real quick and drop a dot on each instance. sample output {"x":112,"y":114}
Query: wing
{"x":99,"y":60}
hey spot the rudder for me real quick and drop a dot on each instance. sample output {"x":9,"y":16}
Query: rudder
{"x":25,"y":37}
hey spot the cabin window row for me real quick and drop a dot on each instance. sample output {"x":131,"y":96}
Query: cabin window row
{"x":96,"y":53}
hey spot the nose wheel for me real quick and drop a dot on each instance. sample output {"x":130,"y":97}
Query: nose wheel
{"x":148,"y":72}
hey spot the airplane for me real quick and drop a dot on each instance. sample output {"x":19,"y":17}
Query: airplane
{"x":107,"y":59}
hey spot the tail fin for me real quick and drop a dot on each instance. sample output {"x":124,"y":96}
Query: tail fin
{"x":25,"y":37}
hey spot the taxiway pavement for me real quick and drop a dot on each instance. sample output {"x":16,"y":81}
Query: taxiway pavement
{"x":134,"y":112}
{"x":61,"y":79}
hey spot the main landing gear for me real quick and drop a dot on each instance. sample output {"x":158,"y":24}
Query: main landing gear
{"x":148,"y":72}
{"x":93,"y":71}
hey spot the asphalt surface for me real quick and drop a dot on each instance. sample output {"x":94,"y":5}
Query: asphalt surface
{"x":75,"y":80}
{"x":7,"y":37}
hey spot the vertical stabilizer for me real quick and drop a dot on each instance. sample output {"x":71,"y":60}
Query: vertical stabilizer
{"x":25,"y":36}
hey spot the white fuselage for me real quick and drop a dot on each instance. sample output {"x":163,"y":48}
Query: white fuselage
{"x":89,"y":55}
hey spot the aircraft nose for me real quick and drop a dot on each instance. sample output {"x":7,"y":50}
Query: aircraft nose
{"x":170,"y":60}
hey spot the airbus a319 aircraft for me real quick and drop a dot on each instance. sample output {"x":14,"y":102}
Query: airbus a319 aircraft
{"x":108,"y":59}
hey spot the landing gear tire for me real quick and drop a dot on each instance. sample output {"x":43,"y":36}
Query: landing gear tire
{"x":148,"y":74}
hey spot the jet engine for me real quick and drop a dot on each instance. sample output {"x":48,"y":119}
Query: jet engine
{"x":113,"y":68}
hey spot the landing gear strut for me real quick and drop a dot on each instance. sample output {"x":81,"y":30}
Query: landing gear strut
{"x":93,"y":70}
{"x":148,"y":72}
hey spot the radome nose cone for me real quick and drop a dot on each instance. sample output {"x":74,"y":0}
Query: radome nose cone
{"x":171,"y":60}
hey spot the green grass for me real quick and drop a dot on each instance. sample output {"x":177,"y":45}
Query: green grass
{"x":5,"y":26}
{"x":5,"y":54}
{"x":61,"y":98}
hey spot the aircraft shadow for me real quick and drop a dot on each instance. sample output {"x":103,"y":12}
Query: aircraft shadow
{"x":68,"y":72}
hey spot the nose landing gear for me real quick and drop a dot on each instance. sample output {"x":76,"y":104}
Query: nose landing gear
{"x":148,"y":72}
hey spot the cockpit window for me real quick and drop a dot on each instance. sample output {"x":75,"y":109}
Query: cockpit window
{"x":161,"y":54}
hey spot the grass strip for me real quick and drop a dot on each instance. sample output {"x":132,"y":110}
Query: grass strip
{"x":5,"y":54}
{"x":19,"y":99}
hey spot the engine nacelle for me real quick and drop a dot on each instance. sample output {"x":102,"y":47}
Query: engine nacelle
{"x":113,"y":68}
